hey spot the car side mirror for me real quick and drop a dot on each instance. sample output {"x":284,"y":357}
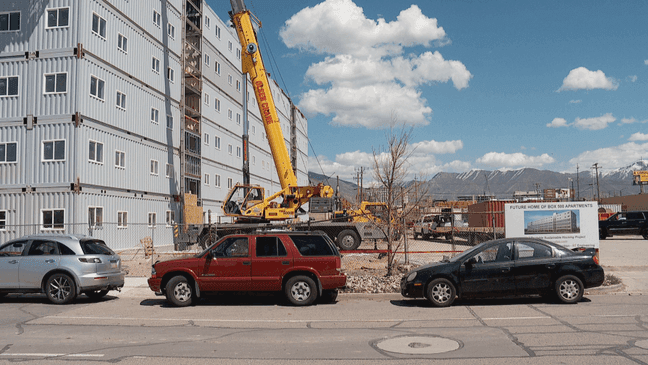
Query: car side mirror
{"x":471,"y":261}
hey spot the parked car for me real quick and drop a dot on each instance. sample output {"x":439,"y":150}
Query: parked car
{"x":506,"y":267}
{"x":61,"y":266}
{"x":624,"y":223}
{"x":304,"y":265}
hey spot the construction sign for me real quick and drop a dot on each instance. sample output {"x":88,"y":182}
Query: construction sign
{"x":640,"y":177}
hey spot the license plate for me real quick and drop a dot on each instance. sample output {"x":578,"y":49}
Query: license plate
{"x":113,"y":265}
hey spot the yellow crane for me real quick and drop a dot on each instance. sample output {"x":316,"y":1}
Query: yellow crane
{"x":248,"y":202}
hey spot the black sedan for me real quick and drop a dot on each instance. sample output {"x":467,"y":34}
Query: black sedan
{"x":506,"y":267}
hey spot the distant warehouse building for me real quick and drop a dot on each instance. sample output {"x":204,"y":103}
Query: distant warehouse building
{"x":117,"y":116}
{"x":565,"y":222}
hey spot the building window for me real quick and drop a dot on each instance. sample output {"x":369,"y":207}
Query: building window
{"x":53,"y":150}
{"x":229,"y":45}
{"x":170,"y":74}
{"x":95,"y":216}
{"x":238,"y":152}
{"x":217,"y":180}
{"x":206,"y":138}
{"x":98,"y":25}
{"x":207,"y":59}
{"x":253,"y":129}
{"x":170,"y":218}
{"x":207,"y":22}
{"x":155,"y":116}
{"x":9,"y":86}
{"x":207,"y":179}
{"x":120,"y":159}
{"x":58,"y":18}
{"x":229,"y":79}
{"x":217,"y":104}
{"x":154,"y":167}
{"x":122,"y":43}
{"x":238,"y":118}
{"x":121,"y":100}
{"x":170,"y":121}
{"x":157,"y":18}
{"x":155,"y":65}
{"x":10,"y":21}
{"x":122,"y":219}
{"x":8,"y":152}
{"x":206,"y":99}
{"x":151,"y":220}
{"x":229,"y":149}
{"x":217,"y":67}
{"x":238,"y":53}
{"x":253,"y":160}
{"x":97,"y":87}
{"x":230,"y":183}
{"x":56,"y":83}
{"x":217,"y":31}
{"x":238,"y":85}
{"x":171,"y":30}
{"x":217,"y":142}
{"x":96,"y":152}
{"x":3,"y":220}
{"x":53,"y":219}
{"x":229,"y":114}
{"x":169,"y":170}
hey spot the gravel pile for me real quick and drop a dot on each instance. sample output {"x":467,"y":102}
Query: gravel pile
{"x":367,"y":283}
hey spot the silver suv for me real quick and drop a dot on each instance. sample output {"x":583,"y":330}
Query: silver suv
{"x":61,"y":266}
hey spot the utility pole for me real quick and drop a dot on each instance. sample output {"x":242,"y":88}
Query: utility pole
{"x":577,"y":184}
{"x":598,"y":188}
{"x":359,"y":181}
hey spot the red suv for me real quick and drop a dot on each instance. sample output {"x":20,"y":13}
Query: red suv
{"x":303,"y":265}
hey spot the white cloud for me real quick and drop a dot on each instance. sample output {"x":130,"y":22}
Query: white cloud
{"x":596,"y":123}
{"x":435,"y":147}
{"x":557,"y":123}
{"x":638,"y":137}
{"x":632,"y":78}
{"x":582,"y":78}
{"x":500,"y":159}
{"x":366,"y":78}
{"x":632,"y":120}
{"x":574,"y":101}
{"x":645,"y":62}
{"x":613,"y":157}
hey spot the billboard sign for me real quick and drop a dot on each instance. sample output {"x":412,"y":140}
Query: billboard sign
{"x":570,"y":224}
{"x":640,"y":177}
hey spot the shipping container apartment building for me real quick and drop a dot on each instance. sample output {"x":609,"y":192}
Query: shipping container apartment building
{"x":105,"y":123}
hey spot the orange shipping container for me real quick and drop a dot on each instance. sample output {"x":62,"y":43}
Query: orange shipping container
{"x":483,"y":214}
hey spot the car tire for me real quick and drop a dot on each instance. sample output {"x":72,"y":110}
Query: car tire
{"x":179,"y":292}
{"x":441,"y":292}
{"x":329,"y":296}
{"x":60,"y":288}
{"x":569,"y":289}
{"x":348,"y":240}
{"x":96,"y":294}
{"x":301,"y":290}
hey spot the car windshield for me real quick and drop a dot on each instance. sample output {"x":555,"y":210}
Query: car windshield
{"x":95,"y":247}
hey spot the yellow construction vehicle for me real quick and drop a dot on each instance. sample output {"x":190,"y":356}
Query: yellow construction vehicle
{"x":248,"y":202}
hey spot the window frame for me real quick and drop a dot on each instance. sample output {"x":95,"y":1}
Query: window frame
{"x":53,"y":223}
{"x":171,"y":74}
{"x":155,"y":65}
{"x":168,"y":170}
{"x":98,"y":82}
{"x":154,"y":167}
{"x":206,"y":138}
{"x":47,"y":26}
{"x":120,"y":157}
{"x":206,"y":179}
{"x":217,"y":142}
{"x":157,"y":18}
{"x":123,"y":222}
{"x":170,"y":218}
{"x":217,"y":67}
{"x":54,"y":159}
{"x":3,"y":220}
{"x":9,"y":13}
{"x":92,"y":218}
{"x":217,"y":31}
{"x":6,"y":152}
{"x":217,"y":104}
{"x":207,"y":60}
{"x":124,"y":45}
{"x":98,"y":32}
{"x":17,"y":77}
{"x":157,"y":115}
{"x":171,"y":30}
{"x":217,"y":179}
{"x":152,"y":223}
{"x":123,"y":100}
{"x":169,"y":117}
{"x":230,"y":182}
{"x":55,"y":74}
{"x":96,"y":160}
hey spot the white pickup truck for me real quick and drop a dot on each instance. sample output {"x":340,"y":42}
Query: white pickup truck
{"x":425,"y":226}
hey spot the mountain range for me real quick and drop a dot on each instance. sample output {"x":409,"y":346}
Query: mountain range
{"x":503,"y":183}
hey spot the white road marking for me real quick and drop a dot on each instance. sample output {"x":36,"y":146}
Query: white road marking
{"x":288,"y":320}
{"x":52,"y":355}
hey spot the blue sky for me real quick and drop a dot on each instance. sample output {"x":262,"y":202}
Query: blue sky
{"x":485,"y":84}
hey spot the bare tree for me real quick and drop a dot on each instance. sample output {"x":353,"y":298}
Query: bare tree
{"x":390,"y":171}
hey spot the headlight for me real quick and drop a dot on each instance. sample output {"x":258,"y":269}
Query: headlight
{"x":153,"y":270}
{"x":411,"y":276}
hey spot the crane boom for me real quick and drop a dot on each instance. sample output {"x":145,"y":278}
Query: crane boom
{"x":253,"y":65}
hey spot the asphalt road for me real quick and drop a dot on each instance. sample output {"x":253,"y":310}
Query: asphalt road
{"x":135,"y":327}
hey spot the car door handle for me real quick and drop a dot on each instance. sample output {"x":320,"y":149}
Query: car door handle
{"x":507,"y":269}
{"x":285,"y":262}
{"x":50,"y":261}
{"x":551,"y":266}
{"x":247,"y":262}
{"x":13,"y":261}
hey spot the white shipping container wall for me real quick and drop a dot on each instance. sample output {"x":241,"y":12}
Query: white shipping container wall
{"x":46,"y":173}
{"x":13,"y":174}
{"x":57,"y":103}
{"x":14,"y":108}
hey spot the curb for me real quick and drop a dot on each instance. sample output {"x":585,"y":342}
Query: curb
{"x":605,"y":289}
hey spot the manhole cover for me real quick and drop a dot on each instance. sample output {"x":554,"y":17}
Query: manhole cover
{"x":418,"y":345}
{"x":643,"y":344}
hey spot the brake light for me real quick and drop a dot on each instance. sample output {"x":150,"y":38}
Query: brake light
{"x":93,"y":260}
